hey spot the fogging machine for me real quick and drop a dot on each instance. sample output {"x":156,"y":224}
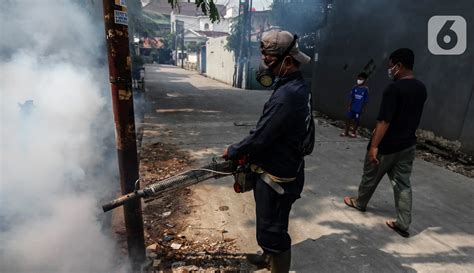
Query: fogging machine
{"x":218,"y":168}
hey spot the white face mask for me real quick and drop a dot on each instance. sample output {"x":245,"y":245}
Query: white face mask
{"x":391,"y":75}
{"x":359,"y":82}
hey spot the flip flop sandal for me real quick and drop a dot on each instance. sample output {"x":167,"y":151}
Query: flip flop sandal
{"x":392,"y":225}
{"x":352,"y":202}
{"x":259,"y":260}
{"x":343,"y":134}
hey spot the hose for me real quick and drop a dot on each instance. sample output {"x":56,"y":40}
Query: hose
{"x":190,"y":177}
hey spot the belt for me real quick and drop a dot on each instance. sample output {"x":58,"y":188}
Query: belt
{"x":271,"y":180}
{"x":274,"y":185}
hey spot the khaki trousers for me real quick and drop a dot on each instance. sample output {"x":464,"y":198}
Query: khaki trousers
{"x":398,"y":167}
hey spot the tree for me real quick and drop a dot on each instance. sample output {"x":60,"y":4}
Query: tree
{"x":233,"y":40}
{"x":135,"y":17}
{"x":144,"y":25}
{"x":303,"y":17}
{"x":239,"y":42}
{"x":194,"y":46}
{"x":208,"y":7}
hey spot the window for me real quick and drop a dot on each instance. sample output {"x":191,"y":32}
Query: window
{"x":206,"y":26}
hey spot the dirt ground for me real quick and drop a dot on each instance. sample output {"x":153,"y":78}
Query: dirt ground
{"x":164,"y":221}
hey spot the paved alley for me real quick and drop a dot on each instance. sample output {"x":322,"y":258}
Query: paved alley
{"x":202,"y":117}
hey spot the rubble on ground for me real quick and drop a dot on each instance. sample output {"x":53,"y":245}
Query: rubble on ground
{"x":159,"y":161}
{"x":431,"y":148}
{"x":445,"y":153}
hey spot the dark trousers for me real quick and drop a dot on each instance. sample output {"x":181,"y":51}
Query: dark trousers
{"x":273,"y":211}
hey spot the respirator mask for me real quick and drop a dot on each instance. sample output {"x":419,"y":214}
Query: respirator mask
{"x":264,"y":75}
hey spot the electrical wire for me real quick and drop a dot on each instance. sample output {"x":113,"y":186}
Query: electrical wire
{"x":200,"y":169}
{"x":213,"y":171}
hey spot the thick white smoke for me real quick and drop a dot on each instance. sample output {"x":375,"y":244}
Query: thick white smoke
{"x":56,"y":147}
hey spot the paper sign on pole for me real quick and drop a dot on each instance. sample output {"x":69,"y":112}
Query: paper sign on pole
{"x":121,"y":17}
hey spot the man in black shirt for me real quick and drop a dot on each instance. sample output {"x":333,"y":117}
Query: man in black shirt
{"x":391,"y":149}
{"x":274,"y":147}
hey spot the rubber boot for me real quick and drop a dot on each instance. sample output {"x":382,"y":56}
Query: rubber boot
{"x":259,"y":260}
{"x":281,"y":262}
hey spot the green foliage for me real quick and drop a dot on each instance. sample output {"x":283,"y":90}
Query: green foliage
{"x":169,"y":40}
{"x":233,"y":40}
{"x":194,"y":47}
{"x":208,"y":7}
{"x":137,"y":61}
{"x":145,"y":24}
{"x":155,"y":54}
{"x":149,"y":25}
{"x":135,"y":17}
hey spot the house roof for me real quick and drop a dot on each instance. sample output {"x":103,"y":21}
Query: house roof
{"x":156,"y":18}
{"x":184,"y":8}
{"x":212,"y":34}
{"x":192,"y":33}
{"x":206,"y":34}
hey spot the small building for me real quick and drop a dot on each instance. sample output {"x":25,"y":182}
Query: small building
{"x":194,"y":42}
{"x":194,"y":19}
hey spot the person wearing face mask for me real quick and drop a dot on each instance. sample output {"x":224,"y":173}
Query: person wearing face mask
{"x":359,"y":97}
{"x":391,"y":149}
{"x":275,"y":147}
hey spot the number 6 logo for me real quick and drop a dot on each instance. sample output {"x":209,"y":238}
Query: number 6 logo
{"x":447,"y":35}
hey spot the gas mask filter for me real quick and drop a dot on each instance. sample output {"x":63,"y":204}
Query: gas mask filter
{"x":265,"y":75}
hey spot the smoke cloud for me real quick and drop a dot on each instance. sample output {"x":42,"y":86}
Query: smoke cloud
{"x":57,"y":154}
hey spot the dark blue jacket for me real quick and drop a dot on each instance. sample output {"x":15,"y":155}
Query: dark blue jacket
{"x":275,"y":143}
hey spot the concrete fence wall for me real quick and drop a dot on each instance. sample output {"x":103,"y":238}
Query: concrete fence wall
{"x":361,"y":31}
{"x":191,"y":61}
{"x":220,"y":62}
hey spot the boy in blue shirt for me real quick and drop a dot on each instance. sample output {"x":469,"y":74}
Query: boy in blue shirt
{"x":359,"y":97}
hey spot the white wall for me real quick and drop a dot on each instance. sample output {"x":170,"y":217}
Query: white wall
{"x":197,"y":23}
{"x":219,"y":61}
{"x":188,"y":39}
{"x":192,"y":57}
{"x":223,"y":25}
{"x":190,"y":22}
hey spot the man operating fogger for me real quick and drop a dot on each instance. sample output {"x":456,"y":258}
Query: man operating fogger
{"x":276,"y":147}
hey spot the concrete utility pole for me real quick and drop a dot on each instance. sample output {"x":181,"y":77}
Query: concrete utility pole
{"x":179,"y":34}
{"x":182,"y":45}
{"x":243,"y":15}
{"x":248,"y":48}
{"x":116,"y":31}
{"x":176,"y":46}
